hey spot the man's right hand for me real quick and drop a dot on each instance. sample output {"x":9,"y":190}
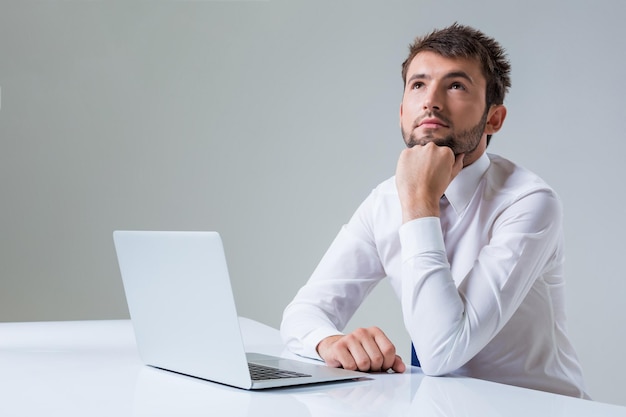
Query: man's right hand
{"x":366,"y":350}
{"x":422,"y":176}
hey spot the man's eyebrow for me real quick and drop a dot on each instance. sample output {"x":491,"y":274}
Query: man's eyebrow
{"x":460,"y":74}
{"x":453,"y":74}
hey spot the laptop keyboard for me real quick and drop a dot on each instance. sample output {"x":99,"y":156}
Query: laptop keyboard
{"x":261,"y":372}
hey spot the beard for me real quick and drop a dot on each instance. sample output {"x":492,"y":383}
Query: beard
{"x":465,"y":141}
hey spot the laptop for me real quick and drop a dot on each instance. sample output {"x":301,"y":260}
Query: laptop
{"x":183,"y":312}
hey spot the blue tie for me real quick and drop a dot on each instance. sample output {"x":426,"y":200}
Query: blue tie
{"x":414,"y":360}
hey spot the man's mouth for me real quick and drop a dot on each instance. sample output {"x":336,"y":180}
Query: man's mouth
{"x":431,"y":123}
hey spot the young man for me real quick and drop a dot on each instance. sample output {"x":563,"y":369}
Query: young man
{"x":471,"y":243}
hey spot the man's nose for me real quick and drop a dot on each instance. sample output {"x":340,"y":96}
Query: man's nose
{"x":433,"y":100}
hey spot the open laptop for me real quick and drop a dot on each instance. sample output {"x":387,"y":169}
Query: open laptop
{"x":183,"y":312}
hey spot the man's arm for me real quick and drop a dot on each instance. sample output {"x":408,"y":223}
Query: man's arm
{"x":450,"y":322}
{"x":423,"y":174}
{"x":344,"y":277}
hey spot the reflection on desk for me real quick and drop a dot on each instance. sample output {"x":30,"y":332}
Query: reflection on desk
{"x":91,"y":368}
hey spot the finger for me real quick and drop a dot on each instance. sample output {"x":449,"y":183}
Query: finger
{"x":349,"y":352}
{"x":340,"y":354}
{"x":333,"y":362}
{"x":398,"y":365}
{"x":346,"y":359}
{"x":386,"y":349}
{"x":458,"y":164}
{"x":375,"y":355}
{"x":360,"y":354}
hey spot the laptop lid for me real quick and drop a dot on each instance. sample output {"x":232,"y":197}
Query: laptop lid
{"x":181,"y":304}
{"x":183,"y":311}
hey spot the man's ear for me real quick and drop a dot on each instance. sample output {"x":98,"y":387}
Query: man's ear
{"x":495,"y":118}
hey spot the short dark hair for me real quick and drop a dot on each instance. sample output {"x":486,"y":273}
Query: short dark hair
{"x":459,"y":41}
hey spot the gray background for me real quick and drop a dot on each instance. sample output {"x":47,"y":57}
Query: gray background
{"x":270,"y":121}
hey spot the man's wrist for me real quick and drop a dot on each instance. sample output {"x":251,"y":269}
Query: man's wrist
{"x":419,"y":209}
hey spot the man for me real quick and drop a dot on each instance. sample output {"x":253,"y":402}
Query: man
{"x":471,"y":243}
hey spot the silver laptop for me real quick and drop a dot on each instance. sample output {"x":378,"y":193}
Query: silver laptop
{"x":183,"y":312}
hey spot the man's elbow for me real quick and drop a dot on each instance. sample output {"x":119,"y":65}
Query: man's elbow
{"x":437,"y":366}
{"x":428,"y":371}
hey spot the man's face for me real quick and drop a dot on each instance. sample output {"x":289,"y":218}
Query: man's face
{"x":444,"y":102}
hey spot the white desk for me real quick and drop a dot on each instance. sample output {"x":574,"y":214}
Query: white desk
{"x":91,"y":368}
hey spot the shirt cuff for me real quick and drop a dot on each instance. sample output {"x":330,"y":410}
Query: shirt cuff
{"x":421,"y":236}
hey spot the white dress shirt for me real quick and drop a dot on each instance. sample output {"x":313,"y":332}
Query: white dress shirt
{"x":481,"y":287}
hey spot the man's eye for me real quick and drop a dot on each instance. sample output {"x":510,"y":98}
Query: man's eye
{"x":417,"y":85}
{"x":457,"y":86}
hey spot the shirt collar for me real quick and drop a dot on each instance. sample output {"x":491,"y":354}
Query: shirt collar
{"x":462,"y":188}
